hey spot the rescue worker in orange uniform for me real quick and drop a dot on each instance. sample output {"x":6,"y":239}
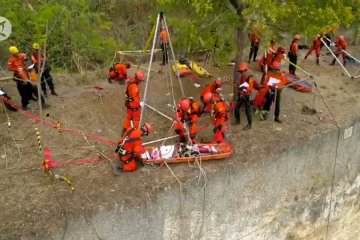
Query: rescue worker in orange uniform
{"x":164,"y":44}
{"x":278,"y":56}
{"x":118,"y":72}
{"x":130,"y":148}
{"x":245,"y":85}
{"x":221,"y":114}
{"x":41,"y":61}
{"x":208,"y":94}
{"x":292,"y":54}
{"x":341,"y":44}
{"x":275,"y":89}
{"x":315,"y":46}
{"x":255,"y":42}
{"x":268,"y":57}
{"x":21,"y":77}
{"x":133,"y":103}
{"x":187,"y":114}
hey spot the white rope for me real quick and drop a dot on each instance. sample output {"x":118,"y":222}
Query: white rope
{"x":148,"y":73}
{"x":357,"y":60}
{"x":173,"y":55}
{"x":159,"y":140}
{"x":157,"y":111}
{"x":337,"y":59}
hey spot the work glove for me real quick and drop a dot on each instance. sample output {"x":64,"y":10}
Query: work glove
{"x":142,"y":104}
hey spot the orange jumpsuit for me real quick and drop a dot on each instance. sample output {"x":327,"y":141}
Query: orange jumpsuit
{"x":207,"y":106}
{"x":219,"y":121}
{"x":341,"y":45}
{"x":118,"y":72}
{"x":130,"y":149}
{"x":315,"y":46}
{"x":164,"y":43}
{"x":133,"y":104}
{"x":190,"y":119}
{"x":268,"y":59}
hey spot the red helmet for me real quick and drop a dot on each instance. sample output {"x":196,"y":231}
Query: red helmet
{"x":341,"y":38}
{"x":243,"y":67}
{"x":218,"y":82}
{"x":275,"y":66}
{"x":22,"y":56}
{"x":112,"y":74}
{"x":220,"y":108}
{"x":297,"y":36}
{"x":147,"y":128}
{"x":185,"y":104}
{"x":128,"y":64}
{"x":280,"y":50}
{"x":140,"y":75}
{"x":207,"y":97}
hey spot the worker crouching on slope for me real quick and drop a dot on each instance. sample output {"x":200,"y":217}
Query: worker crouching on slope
{"x":315,"y":46}
{"x":208,"y":94}
{"x":118,"y":72}
{"x":41,"y":62}
{"x":341,"y":45}
{"x":133,"y":101}
{"x":221,"y":115}
{"x":186,"y":116}
{"x":130,"y":148}
{"x":292,"y":54}
{"x":245,"y":85}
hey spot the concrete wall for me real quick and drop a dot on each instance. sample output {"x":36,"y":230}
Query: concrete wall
{"x":286,"y":197}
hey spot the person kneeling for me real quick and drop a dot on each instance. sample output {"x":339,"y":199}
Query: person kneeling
{"x":130,"y":148}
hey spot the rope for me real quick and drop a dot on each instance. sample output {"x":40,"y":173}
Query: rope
{"x":148,"y":73}
{"x":337,"y":59}
{"x":173,"y":55}
{"x":335,"y":162}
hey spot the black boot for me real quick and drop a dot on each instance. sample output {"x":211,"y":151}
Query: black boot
{"x":53,"y":92}
{"x":317,"y":62}
{"x":247,"y":127}
{"x":333,"y":62}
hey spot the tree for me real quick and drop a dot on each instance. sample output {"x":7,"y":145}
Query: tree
{"x":276,"y":18}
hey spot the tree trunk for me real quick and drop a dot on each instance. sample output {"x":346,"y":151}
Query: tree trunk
{"x":240,"y":38}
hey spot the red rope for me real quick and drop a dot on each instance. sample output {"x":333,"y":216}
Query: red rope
{"x":36,"y":120}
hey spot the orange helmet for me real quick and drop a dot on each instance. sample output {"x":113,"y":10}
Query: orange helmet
{"x":243,"y":67}
{"x":341,"y":38}
{"x":218,"y":82}
{"x":220,"y":108}
{"x":297,"y":36}
{"x":140,"y":75}
{"x":275,"y":66}
{"x":184,"y":104}
{"x":195,"y":106}
{"x":22,"y":57}
{"x":280,"y":50}
{"x":147,"y":128}
{"x":207,"y":97}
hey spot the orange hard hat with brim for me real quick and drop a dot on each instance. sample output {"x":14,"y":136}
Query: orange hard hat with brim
{"x":297,"y":36}
{"x":243,"y":67}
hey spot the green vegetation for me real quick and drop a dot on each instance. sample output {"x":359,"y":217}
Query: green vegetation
{"x":94,"y":29}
